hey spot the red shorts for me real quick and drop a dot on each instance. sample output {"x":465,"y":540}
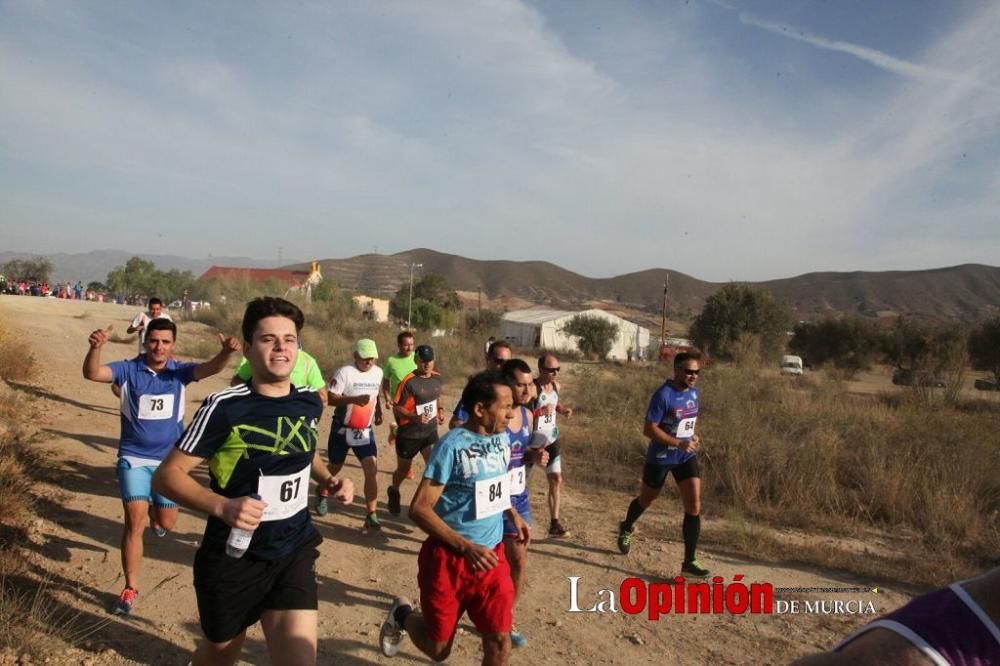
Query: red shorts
{"x":448,"y":589}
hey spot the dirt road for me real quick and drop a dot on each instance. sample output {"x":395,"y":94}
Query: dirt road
{"x":76,"y":546}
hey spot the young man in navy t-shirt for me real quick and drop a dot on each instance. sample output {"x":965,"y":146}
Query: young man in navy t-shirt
{"x":258,"y":438}
{"x":673,"y":449}
{"x":151,"y":389}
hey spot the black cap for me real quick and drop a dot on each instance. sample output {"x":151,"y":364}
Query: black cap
{"x":425,"y":352}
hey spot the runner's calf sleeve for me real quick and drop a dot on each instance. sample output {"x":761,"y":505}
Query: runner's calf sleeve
{"x":691,"y":529}
{"x":634,"y":511}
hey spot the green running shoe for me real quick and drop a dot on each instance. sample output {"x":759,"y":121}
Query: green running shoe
{"x":692,"y":568}
{"x":625,"y":538}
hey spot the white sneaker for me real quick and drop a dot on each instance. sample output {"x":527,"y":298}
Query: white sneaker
{"x":392,"y":633}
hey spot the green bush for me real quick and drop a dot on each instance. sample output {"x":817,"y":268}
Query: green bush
{"x":735,"y":312}
{"x":595,"y":336}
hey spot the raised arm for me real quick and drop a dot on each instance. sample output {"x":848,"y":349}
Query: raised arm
{"x":92,"y":367}
{"x":218,"y":363}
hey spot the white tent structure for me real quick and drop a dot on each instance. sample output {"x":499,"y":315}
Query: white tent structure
{"x":542,"y":329}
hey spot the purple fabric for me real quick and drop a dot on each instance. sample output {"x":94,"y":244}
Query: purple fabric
{"x":947,"y":625}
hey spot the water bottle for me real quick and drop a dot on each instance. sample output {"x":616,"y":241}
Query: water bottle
{"x":239,"y":540}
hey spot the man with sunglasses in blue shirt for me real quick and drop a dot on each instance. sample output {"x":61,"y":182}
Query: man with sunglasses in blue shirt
{"x":673,"y":449}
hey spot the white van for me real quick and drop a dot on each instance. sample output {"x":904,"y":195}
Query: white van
{"x":791,"y":365}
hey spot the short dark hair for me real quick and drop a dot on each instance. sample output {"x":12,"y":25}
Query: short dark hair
{"x":402,"y":336}
{"x":154,"y":301}
{"x":512,"y":365}
{"x":499,"y":344}
{"x":269,"y":306}
{"x":685,"y":356}
{"x":482,"y":387}
{"x":162,"y":324}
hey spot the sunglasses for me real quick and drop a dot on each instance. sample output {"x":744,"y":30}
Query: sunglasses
{"x":691,"y":372}
{"x":552,"y":370}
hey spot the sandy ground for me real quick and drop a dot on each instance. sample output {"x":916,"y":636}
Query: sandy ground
{"x":76,"y":549}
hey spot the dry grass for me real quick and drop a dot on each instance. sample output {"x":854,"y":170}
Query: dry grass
{"x":16,"y":362}
{"x":23,"y":608}
{"x":806,"y":454}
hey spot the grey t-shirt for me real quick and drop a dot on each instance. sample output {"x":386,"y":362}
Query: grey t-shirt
{"x":419,"y":392}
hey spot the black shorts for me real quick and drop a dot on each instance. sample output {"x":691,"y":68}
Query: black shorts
{"x":554,"y":465}
{"x":408,"y":447}
{"x":233,"y":593}
{"x":655,"y":476}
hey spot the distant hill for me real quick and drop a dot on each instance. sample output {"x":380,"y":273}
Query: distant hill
{"x":969,"y":292}
{"x":96,"y":265}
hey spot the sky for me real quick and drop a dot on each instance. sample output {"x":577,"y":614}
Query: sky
{"x":726,"y":139}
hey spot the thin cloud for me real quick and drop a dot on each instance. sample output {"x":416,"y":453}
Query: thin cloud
{"x":875,"y":57}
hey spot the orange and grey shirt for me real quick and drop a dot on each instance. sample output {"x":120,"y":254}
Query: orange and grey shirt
{"x":419,"y":394}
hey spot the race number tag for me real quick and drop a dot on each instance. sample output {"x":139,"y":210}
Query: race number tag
{"x":428,"y":409}
{"x":547,"y":425}
{"x":685,"y":429}
{"x":358,"y":436}
{"x":285,"y":495}
{"x":492,"y":496}
{"x":517,"y":480}
{"x":156,"y":407}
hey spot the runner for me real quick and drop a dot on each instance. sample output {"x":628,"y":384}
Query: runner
{"x":546,"y":435}
{"x":418,"y":410}
{"x":152,"y":418}
{"x":354,"y":392}
{"x":154,"y":310}
{"x":673,"y":449}
{"x":397,"y":367}
{"x":517,"y":374}
{"x":305,"y":373}
{"x":260,"y":441}
{"x":496,"y":355}
{"x":462,"y":566}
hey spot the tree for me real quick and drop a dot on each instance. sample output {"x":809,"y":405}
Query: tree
{"x":337,"y":302}
{"x":850,"y":343}
{"x":433,"y":289}
{"x":738,"y":311}
{"x":35,"y":269}
{"x":984,"y":347}
{"x":595,"y":335}
{"x":140,"y":276}
{"x":426,"y":315}
{"x":131,"y":278}
{"x":96,"y":286}
{"x":930,"y":352}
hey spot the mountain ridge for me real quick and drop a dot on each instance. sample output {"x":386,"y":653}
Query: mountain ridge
{"x":966,"y":292}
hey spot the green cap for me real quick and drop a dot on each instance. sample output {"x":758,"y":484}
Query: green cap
{"x":365,"y":348}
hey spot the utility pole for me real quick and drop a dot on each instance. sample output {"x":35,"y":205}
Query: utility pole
{"x":409,"y":307}
{"x":479,"y":309}
{"x":663,"y":325}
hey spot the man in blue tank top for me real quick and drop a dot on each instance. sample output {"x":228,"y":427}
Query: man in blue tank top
{"x":518,"y":376}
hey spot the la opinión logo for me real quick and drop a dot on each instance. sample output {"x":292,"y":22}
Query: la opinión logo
{"x":635,"y":596}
